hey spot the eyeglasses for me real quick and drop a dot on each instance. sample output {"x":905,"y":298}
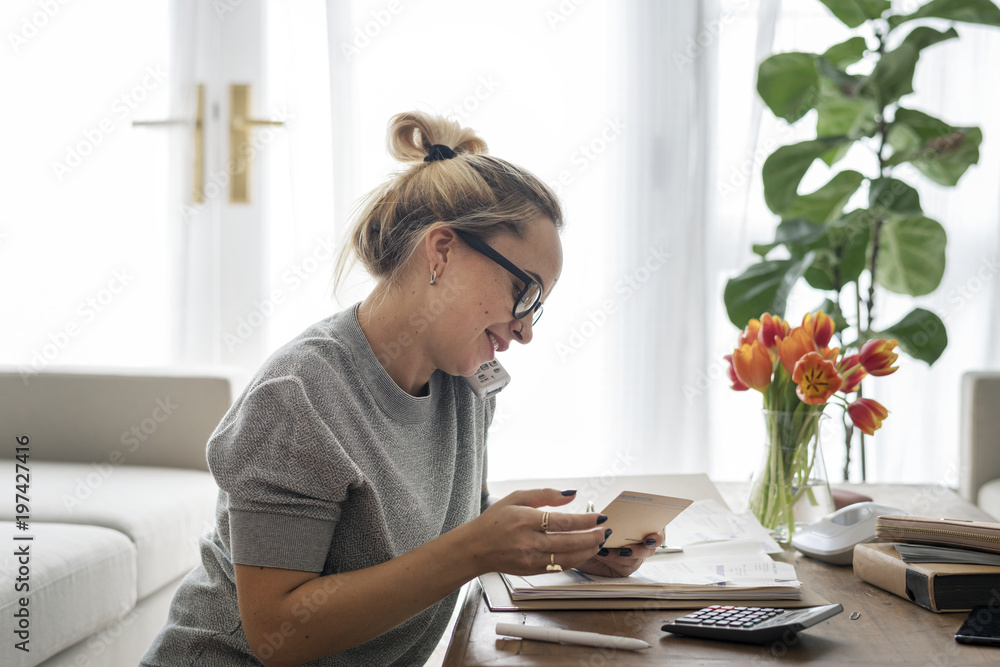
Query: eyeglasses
{"x":530,"y":297}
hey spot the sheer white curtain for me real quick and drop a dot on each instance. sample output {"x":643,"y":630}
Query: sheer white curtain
{"x":661,"y":355}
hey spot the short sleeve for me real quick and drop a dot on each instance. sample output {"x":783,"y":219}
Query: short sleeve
{"x":285,"y":474}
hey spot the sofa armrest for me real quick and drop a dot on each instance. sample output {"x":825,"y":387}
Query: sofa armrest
{"x":980,"y":432}
{"x":114,"y":416}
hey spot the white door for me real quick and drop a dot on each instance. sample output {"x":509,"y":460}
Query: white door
{"x":106,"y":255}
{"x":217,"y":59}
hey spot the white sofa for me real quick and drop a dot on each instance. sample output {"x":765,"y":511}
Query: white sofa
{"x":119,"y":492}
{"x":979,"y":474}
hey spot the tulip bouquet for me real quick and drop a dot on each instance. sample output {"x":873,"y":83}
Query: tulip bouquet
{"x":798,"y":375}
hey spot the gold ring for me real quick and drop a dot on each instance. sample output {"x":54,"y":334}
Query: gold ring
{"x":553,"y":566}
{"x":545,"y":522}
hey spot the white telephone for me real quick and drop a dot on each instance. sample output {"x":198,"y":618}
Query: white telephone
{"x":489,"y":379}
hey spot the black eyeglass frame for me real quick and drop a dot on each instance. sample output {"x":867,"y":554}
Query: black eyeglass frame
{"x":481,"y":246}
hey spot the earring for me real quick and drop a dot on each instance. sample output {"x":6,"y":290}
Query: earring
{"x":434,"y":277}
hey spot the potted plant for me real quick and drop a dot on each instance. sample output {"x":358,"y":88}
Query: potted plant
{"x":887,"y":243}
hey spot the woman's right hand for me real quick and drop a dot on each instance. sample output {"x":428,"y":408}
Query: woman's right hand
{"x":508,"y":537}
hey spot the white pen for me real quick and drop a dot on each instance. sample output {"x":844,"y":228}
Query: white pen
{"x":569,"y":636}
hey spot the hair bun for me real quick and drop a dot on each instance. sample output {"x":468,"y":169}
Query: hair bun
{"x":412,"y":134}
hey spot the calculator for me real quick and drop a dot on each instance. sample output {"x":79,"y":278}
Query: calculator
{"x":753,"y":625}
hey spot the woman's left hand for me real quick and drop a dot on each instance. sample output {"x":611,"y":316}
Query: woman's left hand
{"x":623,"y":561}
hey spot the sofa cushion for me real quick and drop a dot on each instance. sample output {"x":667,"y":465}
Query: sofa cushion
{"x":79,"y":578}
{"x":162,"y":510}
{"x":989,"y":498}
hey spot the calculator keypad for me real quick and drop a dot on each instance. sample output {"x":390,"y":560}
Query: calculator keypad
{"x":729,"y":617}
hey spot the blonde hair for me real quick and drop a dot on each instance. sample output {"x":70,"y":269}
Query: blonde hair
{"x":473,"y":191}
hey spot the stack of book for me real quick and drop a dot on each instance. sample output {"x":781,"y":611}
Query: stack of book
{"x":940,"y":564}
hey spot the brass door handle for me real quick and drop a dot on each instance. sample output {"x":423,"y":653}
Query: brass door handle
{"x":198,"y":189}
{"x":241,"y":151}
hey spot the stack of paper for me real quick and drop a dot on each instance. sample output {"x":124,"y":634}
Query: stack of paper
{"x":929,"y":553}
{"x":725,"y":570}
{"x":708,"y":521}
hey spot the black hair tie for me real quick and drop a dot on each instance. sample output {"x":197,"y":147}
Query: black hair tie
{"x":439,"y":152}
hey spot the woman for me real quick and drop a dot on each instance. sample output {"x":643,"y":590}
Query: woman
{"x":353,"y":502}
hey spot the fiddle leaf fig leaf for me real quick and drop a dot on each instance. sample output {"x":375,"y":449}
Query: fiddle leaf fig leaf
{"x":840,"y":113}
{"x":763,"y":287}
{"x":784,"y":168}
{"x":797,"y":231}
{"x":921,"y":334}
{"x":893,"y":75}
{"x":911,"y":255}
{"x":939,"y":151}
{"x":827,"y":203}
{"x":983,"y":12}
{"x":889,"y":196}
{"x":789,"y":84}
{"x":853,"y":13}
{"x":846,"y":242}
{"x":846,"y":53}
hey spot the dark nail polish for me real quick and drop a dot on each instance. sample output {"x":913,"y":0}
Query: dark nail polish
{"x":625,"y":552}
{"x":607,"y":533}
{"x":569,"y":492}
{"x":601,"y":519}
{"x":603,"y":552}
{"x":650,"y":542}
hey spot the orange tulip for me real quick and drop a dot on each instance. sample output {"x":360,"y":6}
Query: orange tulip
{"x":817,"y":379}
{"x":820,"y":326}
{"x":771,"y":329}
{"x":855,"y":373}
{"x":749,"y":334}
{"x":792,"y":347}
{"x":877,"y":357}
{"x":867,"y":415}
{"x":752,"y":365}
{"x":737,"y":385}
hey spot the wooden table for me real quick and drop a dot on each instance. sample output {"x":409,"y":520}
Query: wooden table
{"x":887,"y":629}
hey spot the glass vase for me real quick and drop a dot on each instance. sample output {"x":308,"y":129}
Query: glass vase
{"x":791,"y":488}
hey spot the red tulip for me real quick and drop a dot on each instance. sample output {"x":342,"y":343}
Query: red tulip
{"x":877,"y":357}
{"x":794,"y":346}
{"x":737,"y":385}
{"x":752,"y":365}
{"x":820,"y":326}
{"x":855,"y":373}
{"x":771,"y":329}
{"x":817,"y":379}
{"x":867,"y":415}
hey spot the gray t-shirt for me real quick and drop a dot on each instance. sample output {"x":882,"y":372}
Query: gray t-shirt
{"x":325,"y":465}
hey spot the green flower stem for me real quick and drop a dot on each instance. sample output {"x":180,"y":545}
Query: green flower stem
{"x":789,"y":461}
